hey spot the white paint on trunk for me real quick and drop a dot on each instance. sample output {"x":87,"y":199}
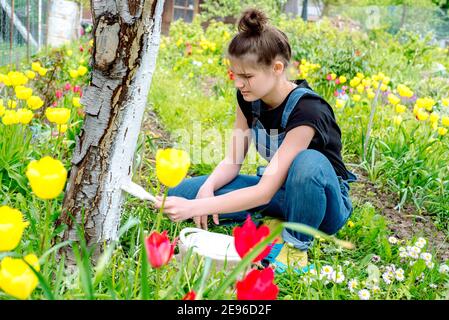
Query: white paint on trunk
{"x":122,"y":152}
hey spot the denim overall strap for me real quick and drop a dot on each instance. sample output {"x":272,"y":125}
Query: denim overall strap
{"x":255,"y":106}
{"x":293,"y":99}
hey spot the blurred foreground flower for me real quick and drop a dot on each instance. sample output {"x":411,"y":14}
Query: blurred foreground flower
{"x":11,"y":228}
{"x":16,"y":277}
{"x":248,"y":236}
{"x":159,"y":249}
{"x":258,"y":285}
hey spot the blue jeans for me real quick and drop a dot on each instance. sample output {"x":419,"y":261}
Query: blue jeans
{"x":312,"y":194}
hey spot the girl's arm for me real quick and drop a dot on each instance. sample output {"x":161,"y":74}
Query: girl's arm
{"x":230,"y":166}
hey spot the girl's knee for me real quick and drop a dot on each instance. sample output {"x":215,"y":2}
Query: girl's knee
{"x":308,"y":164}
{"x":188,"y":188}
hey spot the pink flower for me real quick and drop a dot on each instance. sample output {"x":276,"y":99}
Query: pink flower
{"x":67,"y":86}
{"x":59,"y":94}
{"x":328,"y":77}
{"x":76,"y":88}
{"x":337,"y":81}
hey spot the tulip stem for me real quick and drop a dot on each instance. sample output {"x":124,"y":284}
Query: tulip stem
{"x":46,"y":225}
{"x":158,"y":280}
{"x":159,"y":215}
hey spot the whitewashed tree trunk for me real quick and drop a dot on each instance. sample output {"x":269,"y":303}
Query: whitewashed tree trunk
{"x":126,"y":42}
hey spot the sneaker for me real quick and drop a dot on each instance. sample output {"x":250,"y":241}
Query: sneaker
{"x":284,"y":254}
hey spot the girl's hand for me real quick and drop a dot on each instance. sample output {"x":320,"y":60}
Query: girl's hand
{"x":178,"y":209}
{"x":201,"y":221}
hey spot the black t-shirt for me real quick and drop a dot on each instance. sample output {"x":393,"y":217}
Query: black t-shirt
{"x":311,"y":111}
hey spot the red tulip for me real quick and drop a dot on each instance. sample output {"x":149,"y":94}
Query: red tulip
{"x":230,"y":75}
{"x":248,"y":236}
{"x":159,"y":249}
{"x":257,"y":285}
{"x":67,"y":86}
{"x":58,"y":94}
{"x":55,"y":104}
{"x":81,"y":48}
{"x":329,"y":77}
{"x":191,"y":295}
{"x":76,"y":89}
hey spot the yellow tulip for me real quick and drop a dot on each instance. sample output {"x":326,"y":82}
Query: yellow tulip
{"x":58,"y":115}
{"x":47,"y":177}
{"x":23,"y":93}
{"x":383,"y":87}
{"x":91,"y":42}
{"x":35,"y":102}
{"x":354,"y":82}
{"x":30,"y":74}
{"x":171,"y":166}
{"x":386,"y":80}
{"x":73,"y":73}
{"x":35,"y":66}
{"x":82,"y":70}
{"x":340,"y":103}
{"x":333,"y":76}
{"x":360,"y":88}
{"x":404,"y":91}
{"x":2,"y":109}
{"x":10,"y":117}
{"x":445,"y":121}
{"x":17,"y":78}
{"x":422,"y":115}
{"x":342,"y":79}
{"x":42,"y":71}
{"x":434,"y":117}
{"x":371,"y":94}
{"x":397,"y":120}
{"x":356,"y":98}
{"x":76,"y":102}
{"x":360,"y":75}
{"x":16,"y":277}
{"x":69,"y":53}
{"x":400,"y":108}
{"x":442,"y":131}
{"x":394,"y":100}
{"x":25,"y":115}
{"x":445,"y":102}
{"x":426,"y":103}
{"x":11,"y":228}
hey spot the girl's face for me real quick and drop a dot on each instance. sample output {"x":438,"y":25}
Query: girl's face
{"x":253,"y":83}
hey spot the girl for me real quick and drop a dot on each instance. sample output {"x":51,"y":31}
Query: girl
{"x":294,"y":129}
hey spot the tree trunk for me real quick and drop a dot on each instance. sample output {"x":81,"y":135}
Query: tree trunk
{"x":126,"y":41}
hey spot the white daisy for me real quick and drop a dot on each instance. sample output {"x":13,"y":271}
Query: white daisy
{"x":430,"y":264}
{"x":421,"y":243}
{"x":388,"y":277}
{"x":399,"y":275}
{"x":403,"y":252}
{"x":364,"y":294}
{"x":433,"y":285}
{"x":444,"y":268}
{"x":392,"y":240}
{"x":352,"y":284}
{"x":426,"y":256}
{"x":375,"y":289}
{"x":327,"y":270}
{"x":339,"y":277}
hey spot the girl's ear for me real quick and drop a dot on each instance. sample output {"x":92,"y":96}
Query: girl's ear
{"x":278,"y":67}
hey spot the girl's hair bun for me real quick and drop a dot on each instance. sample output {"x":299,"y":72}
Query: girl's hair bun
{"x":252,"y":22}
